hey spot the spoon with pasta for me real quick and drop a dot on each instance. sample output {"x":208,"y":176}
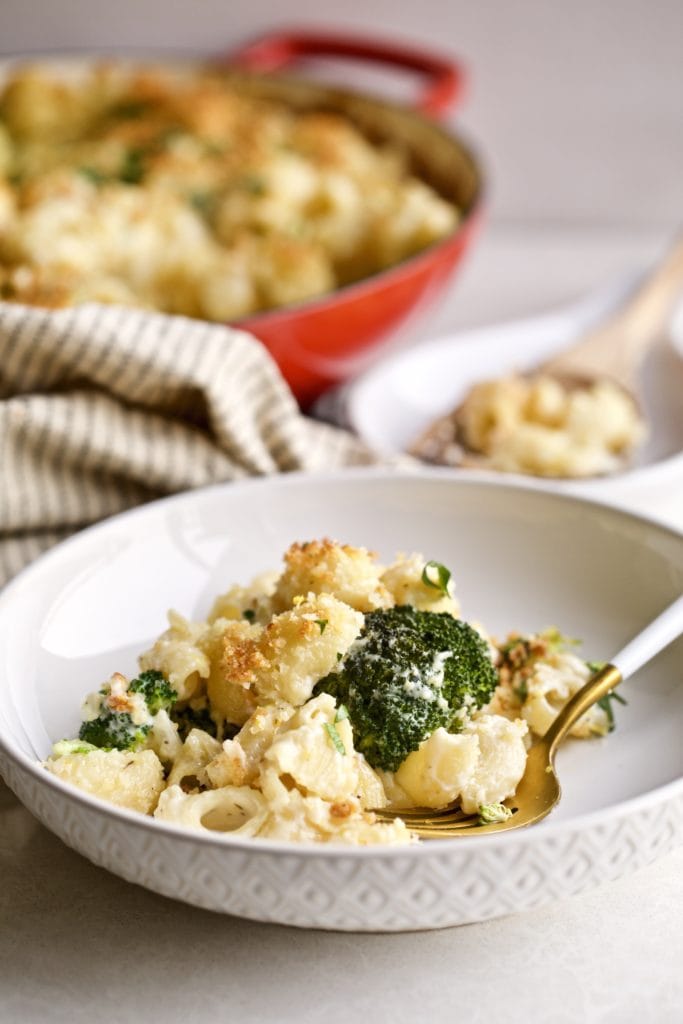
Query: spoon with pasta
{"x":577,"y":414}
{"x":539,"y":789}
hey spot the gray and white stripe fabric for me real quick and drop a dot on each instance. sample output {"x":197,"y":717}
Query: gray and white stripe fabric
{"x":103,"y":408}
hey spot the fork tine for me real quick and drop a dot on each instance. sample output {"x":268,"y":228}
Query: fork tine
{"x":446,"y":826}
{"x":426,"y":815}
{"x":456,"y":813}
{"x":430,"y":824}
{"x":440,"y":824}
{"x":446,"y":823}
{"x":436,"y":822}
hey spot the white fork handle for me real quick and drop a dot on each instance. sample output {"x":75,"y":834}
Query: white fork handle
{"x":653,"y":639}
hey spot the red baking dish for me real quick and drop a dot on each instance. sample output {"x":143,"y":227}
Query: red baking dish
{"x":322,"y":342}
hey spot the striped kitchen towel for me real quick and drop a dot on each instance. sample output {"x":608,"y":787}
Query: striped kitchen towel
{"x":103,"y":408}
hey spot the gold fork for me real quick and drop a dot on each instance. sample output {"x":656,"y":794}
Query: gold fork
{"x":539,"y":789}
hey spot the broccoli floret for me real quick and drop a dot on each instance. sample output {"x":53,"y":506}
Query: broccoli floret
{"x":409,"y":673}
{"x":113,"y":730}
{"x":155,"y":688}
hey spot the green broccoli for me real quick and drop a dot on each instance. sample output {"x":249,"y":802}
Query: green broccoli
{"x":114,"y":729}
{"x":155,"y":688}
{"x":408,"y":673}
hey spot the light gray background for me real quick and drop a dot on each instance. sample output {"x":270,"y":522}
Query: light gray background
{"x":578,"y":111}
{"x":578,"y":106}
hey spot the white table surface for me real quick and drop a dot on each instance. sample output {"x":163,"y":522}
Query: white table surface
{"x":78,"y":944}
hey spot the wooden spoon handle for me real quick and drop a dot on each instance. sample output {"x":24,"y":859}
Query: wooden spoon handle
{"x":616,"y":348}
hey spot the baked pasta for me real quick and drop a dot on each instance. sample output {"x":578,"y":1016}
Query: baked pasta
{"x":313,"y":697}
{"x":177,"y":191}
{"x":538,"y":426}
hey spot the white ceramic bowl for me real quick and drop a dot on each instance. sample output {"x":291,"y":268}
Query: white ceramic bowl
{"x":522,"y":557}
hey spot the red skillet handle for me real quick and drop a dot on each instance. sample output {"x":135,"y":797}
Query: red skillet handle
{"x":443,"y":77}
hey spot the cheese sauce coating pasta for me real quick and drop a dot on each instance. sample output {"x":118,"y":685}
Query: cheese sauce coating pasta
{"x":236,"y":724}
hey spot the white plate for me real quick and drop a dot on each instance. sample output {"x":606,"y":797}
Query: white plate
{"x":392,"y":403}
{"x":522,"y":557}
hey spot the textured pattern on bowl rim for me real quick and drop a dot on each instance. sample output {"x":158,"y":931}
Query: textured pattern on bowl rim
{"x":383,"y":889}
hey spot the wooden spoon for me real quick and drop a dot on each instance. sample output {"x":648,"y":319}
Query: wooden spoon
{"x":613,"y":351}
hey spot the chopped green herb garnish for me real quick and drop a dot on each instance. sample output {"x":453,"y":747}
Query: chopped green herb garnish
{"x":438,"y":576}
{"x":335,"y":737}
{"x":322,"y":625}
{"x":203,"y":202}
{"x":213,"y":148}
{"x":94,"y":175}
{"x":596,"y":666}
{"x":133,"y":169}
{"x":606,"y":704}
{"x":523,"y":651}
{"x":254,"y":183}
{"x":557,"y":640}
{"x":169,"y":135}
{"x":522,"y":690}
{"x":130,"y":109}
{"x":249,"y":614}
{"x":339,"y":655}
{"x":342,"y":713}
